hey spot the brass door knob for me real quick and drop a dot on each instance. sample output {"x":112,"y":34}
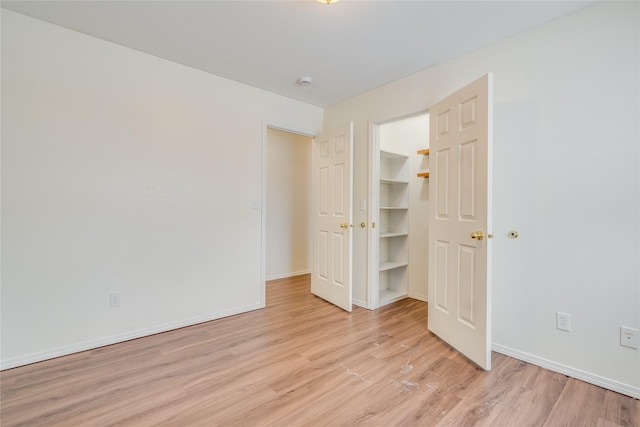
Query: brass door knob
{"x":344,"y":225}
{"x":477,"y":235}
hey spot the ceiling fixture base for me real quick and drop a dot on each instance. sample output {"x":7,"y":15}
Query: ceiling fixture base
{"x":304,"y":81}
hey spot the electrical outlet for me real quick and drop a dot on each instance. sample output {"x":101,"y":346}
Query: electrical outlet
{"x":563,"y":321}
{"x":114,"y":297}
{"x":628,"y":337}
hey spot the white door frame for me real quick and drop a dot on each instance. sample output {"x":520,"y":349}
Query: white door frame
{"x":269,"y":124}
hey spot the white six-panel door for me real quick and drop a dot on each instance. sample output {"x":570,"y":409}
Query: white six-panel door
{"x":460,"y":220}
{"x":332,"y":222}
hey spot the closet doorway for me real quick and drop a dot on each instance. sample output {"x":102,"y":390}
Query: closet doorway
{"x":399,"y":194}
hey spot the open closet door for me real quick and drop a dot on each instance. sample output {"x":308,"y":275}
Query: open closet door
{"x":332,"y":184}
{"x":460,"y":220}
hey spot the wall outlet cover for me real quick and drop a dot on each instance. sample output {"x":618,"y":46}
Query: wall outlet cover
{"x":628,"y":337}
{"x":114,"y":299}
{"x":563,"y":321}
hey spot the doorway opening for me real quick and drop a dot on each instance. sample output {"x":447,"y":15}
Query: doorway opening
{"x":287,"y":204}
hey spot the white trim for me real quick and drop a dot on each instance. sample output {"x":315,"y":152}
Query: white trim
{"x":286,"y":128}
{"x":360,"y":303}
{"x":419,"y":297}
{"x":263,"y":215}
{"x":287,"y":275}
{"x":616,"y":386}
{"x":118,"y":338}
{"x":373,"y":272}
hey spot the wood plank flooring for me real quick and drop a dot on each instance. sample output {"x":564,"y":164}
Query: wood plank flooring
{"x":301,"y":362}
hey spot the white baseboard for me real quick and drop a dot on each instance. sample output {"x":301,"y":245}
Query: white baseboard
{"x":359,"y":303}
{"x":113,"y":339}
{"x":287,"y":275}
{"x":419,"y":297}
{"x":616,"y":386}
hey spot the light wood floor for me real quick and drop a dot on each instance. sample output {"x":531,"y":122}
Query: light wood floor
{"x":301,"y":362}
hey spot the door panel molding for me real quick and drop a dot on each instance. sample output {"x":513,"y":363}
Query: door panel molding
{"x":332,"y":183}
{"x":460,"y":183}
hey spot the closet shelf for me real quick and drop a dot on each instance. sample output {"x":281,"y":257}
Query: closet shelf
{"x":388,"y":235}
{"x":393,"y":181}
{"x":394,"y":177}
{"x":389,"y":295}
{"x":424,"y":152}
{"x":388,"y":155}
{"x":390,"y":265}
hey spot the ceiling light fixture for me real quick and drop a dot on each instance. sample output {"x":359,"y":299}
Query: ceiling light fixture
{"x":304,"y":81}
{"x":327,"y":1}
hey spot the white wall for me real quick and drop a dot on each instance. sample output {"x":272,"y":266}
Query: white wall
{"x":288,"y":223}
{"x":566,"y":175}
{"x":407,"y":136}
{"x":124,"y":172}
